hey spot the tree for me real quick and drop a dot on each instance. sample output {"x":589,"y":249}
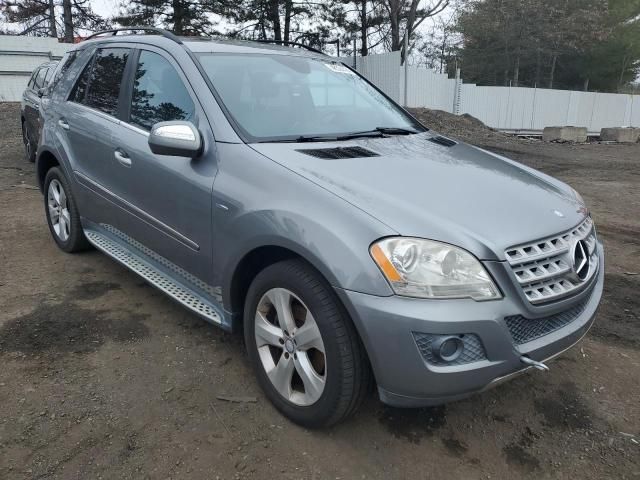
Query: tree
{"x":615,"y":62}
{"x":438,"y":46}
{"x":182,"y":17}
{"x":37,"y":17}
{"x":405,"y":16}
{"x":47,"y":18}
{"x":281,"y":20}
{"x":365,"y":19}
{"x":532,"y":42}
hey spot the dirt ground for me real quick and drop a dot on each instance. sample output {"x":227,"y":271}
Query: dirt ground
{"x":101,"y":376}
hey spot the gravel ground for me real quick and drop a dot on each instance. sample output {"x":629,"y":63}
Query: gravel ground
{"x":103,"y":377}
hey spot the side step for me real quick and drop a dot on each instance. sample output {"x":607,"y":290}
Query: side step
{"x":156,"y":277}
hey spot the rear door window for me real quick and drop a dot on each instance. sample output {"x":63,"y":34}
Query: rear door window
{"x":159,"y":95}
{"x":105,"y":79}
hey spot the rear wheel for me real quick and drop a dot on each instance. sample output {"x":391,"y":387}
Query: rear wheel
{"x":62,"y":213}
{"x":303,"y":346}
{"x":29,"y":150}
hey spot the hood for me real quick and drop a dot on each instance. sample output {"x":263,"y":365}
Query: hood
{"x":456,"y":194}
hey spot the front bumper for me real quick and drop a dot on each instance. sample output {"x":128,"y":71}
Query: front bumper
{"x":406,"y":379}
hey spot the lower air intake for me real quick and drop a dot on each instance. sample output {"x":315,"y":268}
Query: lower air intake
{"x":525,"y":330}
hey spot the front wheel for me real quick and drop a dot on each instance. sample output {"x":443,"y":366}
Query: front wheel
{"x":303,"y":346}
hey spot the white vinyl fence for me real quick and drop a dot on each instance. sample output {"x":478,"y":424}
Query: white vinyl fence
{"x":19,"y":56}
{"x":504,"y":108}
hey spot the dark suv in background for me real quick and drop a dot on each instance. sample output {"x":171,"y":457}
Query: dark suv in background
{"x":275,"y":191}
{"x":30,"y":107}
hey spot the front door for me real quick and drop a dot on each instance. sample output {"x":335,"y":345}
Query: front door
{"x":168,"y":199}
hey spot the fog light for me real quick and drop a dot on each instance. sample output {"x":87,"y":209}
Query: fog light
{"x":447,"y":348}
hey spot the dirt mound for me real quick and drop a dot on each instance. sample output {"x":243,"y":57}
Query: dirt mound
{"x":464,"y":126}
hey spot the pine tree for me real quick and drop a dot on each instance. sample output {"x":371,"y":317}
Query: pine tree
{"x":182,"y":17}
{"x":36,"y":17}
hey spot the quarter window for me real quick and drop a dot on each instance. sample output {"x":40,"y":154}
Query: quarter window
{"x":40,"y":78}
{"x":80,"y":89}
{"x":159,"y":95}
{"x":106,"y":78}
{"x":64,"y":65}
{"x":32,"y":80}
{"x":47,"y":79}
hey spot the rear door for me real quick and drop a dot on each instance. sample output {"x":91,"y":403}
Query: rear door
{"x":90,"y":123}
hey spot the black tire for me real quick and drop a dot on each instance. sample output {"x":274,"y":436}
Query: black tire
{"x":76,"y":240}
{"x":29,"y":150}
{"x":348,"y":375}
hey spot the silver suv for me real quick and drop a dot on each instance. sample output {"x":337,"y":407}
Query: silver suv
{"x":273,"y":190}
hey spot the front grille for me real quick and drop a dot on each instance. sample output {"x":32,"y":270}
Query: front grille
{"x":525,"y":330}
{"x":473,"y":350}
{"x":544,"y":269}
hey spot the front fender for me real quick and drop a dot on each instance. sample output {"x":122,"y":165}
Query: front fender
{"x":258,"y":202}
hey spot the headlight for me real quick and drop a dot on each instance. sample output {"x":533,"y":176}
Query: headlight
{"x":578,"y":196}
{"x":426,"y":269}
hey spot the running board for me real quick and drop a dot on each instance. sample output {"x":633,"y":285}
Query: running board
{"x":156,"y":277}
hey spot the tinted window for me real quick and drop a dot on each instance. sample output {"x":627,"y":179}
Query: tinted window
{"x":105,"y":79}
{"x":79,"y":90}
{"x":40,"y":78}
{"x":158,"y":93}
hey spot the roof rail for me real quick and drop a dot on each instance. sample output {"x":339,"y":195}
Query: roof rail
{"x":295,"y":44}
{"x":159,"y":31}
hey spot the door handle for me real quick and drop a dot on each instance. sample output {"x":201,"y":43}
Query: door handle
{"x":122,"y":157}
{"x":63,"y":124}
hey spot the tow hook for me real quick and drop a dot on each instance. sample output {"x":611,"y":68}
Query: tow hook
{"x":533,"y":363}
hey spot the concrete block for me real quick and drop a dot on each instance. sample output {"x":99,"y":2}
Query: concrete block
{"x":621,"y":134}
{"x":565,"y":134}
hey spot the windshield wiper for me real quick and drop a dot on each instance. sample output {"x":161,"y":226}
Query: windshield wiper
{"x":303,"y":138}
{"x":378,"y":132}
{"x":396,"y":130}
{"x":367,"y":134}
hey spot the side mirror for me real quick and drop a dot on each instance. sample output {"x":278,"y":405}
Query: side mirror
{"x":181,"y":139}
{"x":41,"y":92}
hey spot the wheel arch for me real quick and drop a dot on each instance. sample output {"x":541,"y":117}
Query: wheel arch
{"x":44,"y":162}
{"x":242,"y":272}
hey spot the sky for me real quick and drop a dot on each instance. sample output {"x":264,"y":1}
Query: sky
{"x":105,"y":8}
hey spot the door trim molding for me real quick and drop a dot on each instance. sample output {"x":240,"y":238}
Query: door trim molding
{"x":133,"y":210}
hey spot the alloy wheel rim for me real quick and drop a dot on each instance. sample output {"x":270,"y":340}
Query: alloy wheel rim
{"x":290,"y":347}
{"x":59,"y":210}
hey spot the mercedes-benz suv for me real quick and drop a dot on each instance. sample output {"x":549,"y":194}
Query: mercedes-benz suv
{"x":273,"y":190}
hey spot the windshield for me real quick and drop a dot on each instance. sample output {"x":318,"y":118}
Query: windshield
{"x":282,"y":97}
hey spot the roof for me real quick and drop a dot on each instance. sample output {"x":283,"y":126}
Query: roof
{"x":219,"y":45}
{"x":205,"y":44}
